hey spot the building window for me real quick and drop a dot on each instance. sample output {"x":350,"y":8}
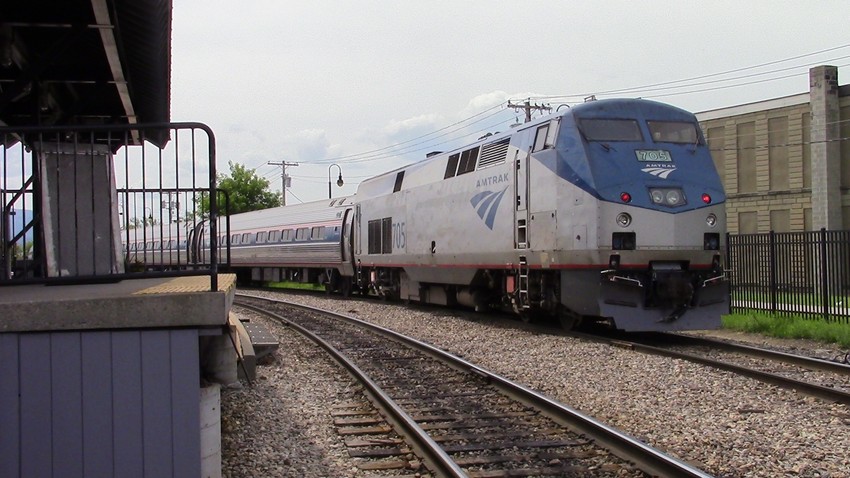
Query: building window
{"x":807,"y":150}
{"x":747,"y":158}
{"x":777,"y":151}
{"x":844,"y":132}
{"x":399,"y":178}
{"x":780,"y":220}
{"x":748,"y":222}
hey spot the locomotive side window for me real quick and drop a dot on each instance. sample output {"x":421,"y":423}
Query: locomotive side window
{"x":262,"y":236}
{"x":451,"y":167}
{"x":374,"y":236}
{"x":673,"y":132}
{"x":387,"y":235}
{"x":610,"y":130}
{"x":380,"y":236}
{"x":301,"y":234}
{"x":461,"y":163}
{"x":468,"y":160}
{"x":274,"y":236}
{"x":234,"y":239}
{"x":540,"y":139}
{"x":246,"y":238}
{"x":286,"y":235}
{"x":317,"y":232}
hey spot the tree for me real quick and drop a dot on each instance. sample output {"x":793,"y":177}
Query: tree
{"x":247,"y":191}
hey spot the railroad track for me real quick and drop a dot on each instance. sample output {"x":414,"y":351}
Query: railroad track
{"x":457,"y":418}
{"x":812,"y":376}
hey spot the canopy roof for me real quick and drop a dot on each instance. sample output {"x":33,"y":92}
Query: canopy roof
{"x":85,"y":62}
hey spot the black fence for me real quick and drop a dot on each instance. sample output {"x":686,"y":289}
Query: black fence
{"x":796,"y":273}
{"x":105,"y":203}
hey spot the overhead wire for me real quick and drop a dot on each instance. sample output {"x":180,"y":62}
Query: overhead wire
{"x":410,"y":145}
{"x":406,"y":149}
{"x":649,"y":87}
{"x":465,"y":120}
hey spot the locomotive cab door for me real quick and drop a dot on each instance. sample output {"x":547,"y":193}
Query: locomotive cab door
{"x":346,"y":241}
{"x":521,"y":199}
{"x":195,"y":244}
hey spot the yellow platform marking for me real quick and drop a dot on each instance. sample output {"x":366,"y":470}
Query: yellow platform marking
{"x":183,"y":285}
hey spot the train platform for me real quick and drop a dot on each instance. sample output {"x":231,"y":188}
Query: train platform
{"x":152,"y":352}
{"x":133,"y":303}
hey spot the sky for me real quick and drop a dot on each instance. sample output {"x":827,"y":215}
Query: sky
{"x":364,"y":87}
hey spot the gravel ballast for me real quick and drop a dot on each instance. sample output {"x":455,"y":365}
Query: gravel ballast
{"x":723,"y":423}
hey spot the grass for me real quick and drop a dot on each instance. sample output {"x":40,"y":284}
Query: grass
{"x":790,"y":327}
{"x":784,"y":297}
{"x":296,"y":285}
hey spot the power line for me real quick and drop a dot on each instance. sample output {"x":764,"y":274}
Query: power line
{"x":354,"y":155}
{"x":398,"y":149}
{"x":283,"y":165}
{"x":684,"y":80}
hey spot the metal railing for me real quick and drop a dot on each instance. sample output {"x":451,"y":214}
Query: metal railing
{"x":106,"y":203}
{"x":794,"y":273}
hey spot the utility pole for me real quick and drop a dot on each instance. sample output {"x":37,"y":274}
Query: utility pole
{"x":527,"y":106}
{"x":283,"y":165}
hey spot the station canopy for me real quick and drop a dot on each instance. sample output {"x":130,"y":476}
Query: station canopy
{"x":85,"y":62}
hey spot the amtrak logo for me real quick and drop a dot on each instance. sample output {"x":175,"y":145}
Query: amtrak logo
{"x":660,"y":172}
{"x":487,"y":203}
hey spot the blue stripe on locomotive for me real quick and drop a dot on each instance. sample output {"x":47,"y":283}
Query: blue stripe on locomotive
{"x":606,"y":169}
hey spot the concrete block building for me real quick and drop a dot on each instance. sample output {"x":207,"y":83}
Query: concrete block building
{"x":785,"y":162}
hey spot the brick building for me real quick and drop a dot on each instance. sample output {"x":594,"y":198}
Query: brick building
{"x":785,"y":162}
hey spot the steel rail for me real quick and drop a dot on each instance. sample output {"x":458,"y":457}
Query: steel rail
{"x":819,"y":391}
{"x":803,"y":361}
{"x":437,"y":460}
{"x":647,"y":458}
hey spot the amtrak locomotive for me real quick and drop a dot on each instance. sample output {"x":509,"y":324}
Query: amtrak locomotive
{"x":611,"y":210}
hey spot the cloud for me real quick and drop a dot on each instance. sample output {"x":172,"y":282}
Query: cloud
{"x":310,"y":144}
{"x":413,"y":126}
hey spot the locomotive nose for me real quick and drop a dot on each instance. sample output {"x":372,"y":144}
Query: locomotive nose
{"x":674,"y":289}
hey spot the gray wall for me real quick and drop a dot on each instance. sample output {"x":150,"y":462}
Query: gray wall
{"x":100,"y":403}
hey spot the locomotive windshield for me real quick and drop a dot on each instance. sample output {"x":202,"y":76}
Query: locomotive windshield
{"x":610,"y":130}
{"x":673,"y":132}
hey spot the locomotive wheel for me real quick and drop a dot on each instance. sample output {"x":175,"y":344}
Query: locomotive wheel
{"x":345,"y":287}
{"x":569,"y":320}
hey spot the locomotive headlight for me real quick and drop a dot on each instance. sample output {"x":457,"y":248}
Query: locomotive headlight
{"x":674,"y":197}
{"x":670,"y":197}
{"x":657,"y":196}
{"x":624,"y":219}
{"x":711,"y":220}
